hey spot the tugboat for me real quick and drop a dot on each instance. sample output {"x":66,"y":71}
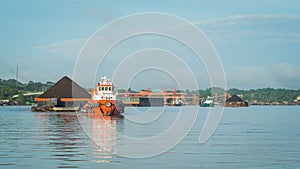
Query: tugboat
{"x":104,"y":100}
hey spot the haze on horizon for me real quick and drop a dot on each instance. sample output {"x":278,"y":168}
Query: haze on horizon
{"x":258,"y":42}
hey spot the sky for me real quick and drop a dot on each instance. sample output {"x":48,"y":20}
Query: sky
{"x":257,"y":41}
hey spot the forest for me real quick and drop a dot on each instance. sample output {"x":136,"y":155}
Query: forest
{"x":11,"y":87}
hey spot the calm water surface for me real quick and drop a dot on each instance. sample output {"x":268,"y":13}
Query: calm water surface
{"x":254,"y":137}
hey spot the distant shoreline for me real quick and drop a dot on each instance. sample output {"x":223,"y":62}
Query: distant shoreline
{"x":281,"y":105}
{"x":12,"y":93}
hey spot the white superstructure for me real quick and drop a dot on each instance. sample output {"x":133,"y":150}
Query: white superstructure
{"x":104,"y":90}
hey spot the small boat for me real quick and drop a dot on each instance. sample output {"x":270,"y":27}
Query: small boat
{"x":207,"y":102}
{"x":178,"y":102}
{"x":104,"y":100}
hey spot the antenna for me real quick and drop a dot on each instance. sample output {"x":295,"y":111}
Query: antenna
{"x":17,"y":75}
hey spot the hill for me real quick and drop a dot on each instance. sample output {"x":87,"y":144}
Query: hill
{"x":11,"y":87}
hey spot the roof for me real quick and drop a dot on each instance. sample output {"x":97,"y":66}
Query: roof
{"x":235,"y":98}
{"x":65,"y":88}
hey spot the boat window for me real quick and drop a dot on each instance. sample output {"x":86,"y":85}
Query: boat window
{"x":105,"y":88}
{"x":109,"y":88}
{"x":99,"y":88}
{"x":102,"y":88}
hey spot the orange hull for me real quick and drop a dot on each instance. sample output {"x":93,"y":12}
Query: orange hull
{"x":104,"y":100}
{"x":104,"y":108}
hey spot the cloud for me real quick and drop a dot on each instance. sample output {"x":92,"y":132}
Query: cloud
{"x":277,"y":75}
{"x":63,"y":44}
{"x":58,"y":59}
{"x":247,"y":19}
{"x":286,"y":74}
{"x":252,"y":29}
{"x":64,"y":52}
{"x":51,"y":61}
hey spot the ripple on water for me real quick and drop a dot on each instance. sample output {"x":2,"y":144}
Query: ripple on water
{"x":260,"y":137}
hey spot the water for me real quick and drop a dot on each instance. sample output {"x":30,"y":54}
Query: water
{"x":254,"y":137}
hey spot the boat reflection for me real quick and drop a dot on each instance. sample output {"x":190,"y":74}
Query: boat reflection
{"x":65,"y":134}
{"x":102,"y":130}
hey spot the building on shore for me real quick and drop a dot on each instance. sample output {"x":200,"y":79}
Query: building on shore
{"x":64,"y":95}
{"x":149,"y":98}
{"x":235,"y":101}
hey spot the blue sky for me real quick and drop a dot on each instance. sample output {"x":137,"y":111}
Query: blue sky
{"x":257,"y":41}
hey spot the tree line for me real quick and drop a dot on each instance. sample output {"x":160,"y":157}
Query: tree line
{"x":11,"y":87}
{"x":260,"y":95}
